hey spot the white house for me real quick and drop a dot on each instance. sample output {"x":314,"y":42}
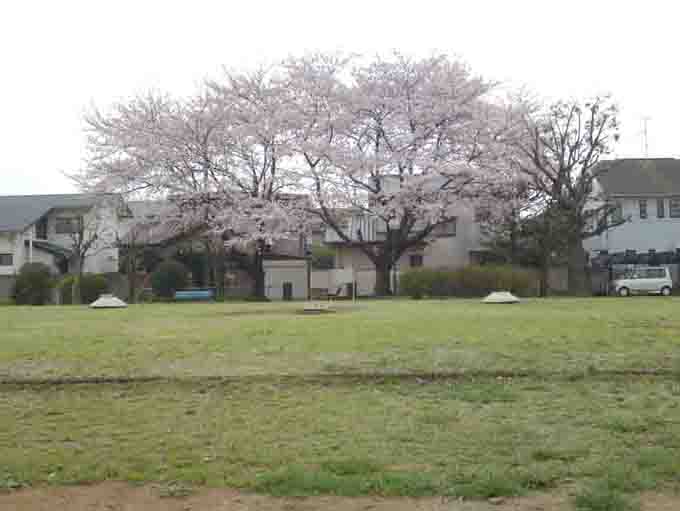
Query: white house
{"x":647,"y":192}
{"x":41,"y":228}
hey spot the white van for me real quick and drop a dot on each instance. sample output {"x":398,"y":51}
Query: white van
{"x":644,"y":281}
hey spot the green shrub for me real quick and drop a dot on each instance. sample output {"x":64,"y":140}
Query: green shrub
{"x":92,"y":285}
{"x":466,"y":282}
{"x":33,"y":285}
{"x":170,"y":276}
{"x":323,"y":258}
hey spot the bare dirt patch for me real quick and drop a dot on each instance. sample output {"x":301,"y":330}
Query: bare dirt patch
{"x":115,"y":496}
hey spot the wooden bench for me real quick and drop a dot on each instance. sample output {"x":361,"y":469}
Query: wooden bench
{"x":194,"y":294}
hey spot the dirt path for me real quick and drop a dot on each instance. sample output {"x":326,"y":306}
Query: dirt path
{"x":113,"y":496}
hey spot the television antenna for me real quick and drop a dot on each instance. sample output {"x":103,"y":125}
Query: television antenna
{"x":644,"y":139}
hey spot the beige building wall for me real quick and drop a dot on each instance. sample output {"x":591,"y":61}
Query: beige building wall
{"x":441,"y":251}
{"x":278,"y":272}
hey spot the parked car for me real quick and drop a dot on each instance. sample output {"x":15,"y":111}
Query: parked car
{"x":644,"y":281}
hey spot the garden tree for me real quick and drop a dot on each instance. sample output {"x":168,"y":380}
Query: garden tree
{"x":217,"y":156}
{"x":400,"y":143}
{"x":136,"y":252}
{"x":503,"y":216}
{"x":559,"y":149}
{"x":89,"y":233}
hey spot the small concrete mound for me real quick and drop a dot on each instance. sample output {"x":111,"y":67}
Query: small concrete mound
{"x":501,"y":297}
{"x":108,"y":301}
{"x":317,"y":308}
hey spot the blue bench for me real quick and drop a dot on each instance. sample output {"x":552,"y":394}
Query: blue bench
{"x":194,"y":294}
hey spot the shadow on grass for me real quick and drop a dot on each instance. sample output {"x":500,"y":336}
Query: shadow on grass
{"x":348,"y":479}
{"x":354,"y":478}
{"x":602,"y":497}
{"x":491,"y":394}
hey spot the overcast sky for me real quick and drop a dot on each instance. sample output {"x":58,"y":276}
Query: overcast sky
{"x":56,"y":58}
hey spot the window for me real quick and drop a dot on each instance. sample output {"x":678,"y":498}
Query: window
{"x":648,"y":273}
{"x":660,"y":208}
{"x":68,"y":225}
{"x":415,"y":261}
{"x":674,"y":207}
{"x":6,"y":260}
{"x":41,"y":229}
{"x":446,"y":230}
{"x":643,"y":208}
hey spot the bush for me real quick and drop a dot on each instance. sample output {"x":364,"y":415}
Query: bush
{"x":33,"y":285}
{"x":323,"y":258}
{"x":170,"y":276}
{"x":466,"y":282}
{"x":92,"y":285}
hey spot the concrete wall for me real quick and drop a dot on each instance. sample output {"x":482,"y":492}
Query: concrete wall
{"x":331,"y":280}
{"x":639,"y":234}
{"x":278,"y":272}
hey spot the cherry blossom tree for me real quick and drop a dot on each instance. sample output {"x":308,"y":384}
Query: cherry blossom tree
{"x":399,"y":142}
{"x":217,"y":156}
{"x":559,"y":149}
{"x":89,"y":233}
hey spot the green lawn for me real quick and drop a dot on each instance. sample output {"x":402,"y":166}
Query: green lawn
{"x":578,"y":413}
{"x":567,"y":335}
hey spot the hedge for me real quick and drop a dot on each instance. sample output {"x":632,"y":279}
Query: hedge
{"x":471,"y":281}
{"x":33,"y":285}
{"x":170,"y":276}
{"x":92,"y":285}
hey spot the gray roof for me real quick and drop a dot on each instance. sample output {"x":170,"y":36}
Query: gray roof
{"x":17,"y":212}
{"x":640,"y":176}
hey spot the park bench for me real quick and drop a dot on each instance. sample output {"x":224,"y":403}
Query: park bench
{"x":194,"y":294}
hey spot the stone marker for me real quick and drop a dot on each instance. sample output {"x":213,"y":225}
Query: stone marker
{"x":108,"y":301}
{"x":501,"y":297}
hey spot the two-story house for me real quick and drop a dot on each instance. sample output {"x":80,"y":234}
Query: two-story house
{"x":647,"y":194}
{"x":45,"y":228}
{"x":452,"y":245}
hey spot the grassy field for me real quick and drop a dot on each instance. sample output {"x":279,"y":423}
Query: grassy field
{"x":394,"y":398}
{"x":569,"y":336}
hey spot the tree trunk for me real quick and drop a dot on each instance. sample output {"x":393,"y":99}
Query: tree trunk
{"x":543,"y":286}
{"x":75,"y":288}
{"x":258,"y":275}
{"x":382,"y":278}
{"x":220,"y":271}
{"x":513,"y":243}
{"x":579,"y":277}
{"x":131,"y":270}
